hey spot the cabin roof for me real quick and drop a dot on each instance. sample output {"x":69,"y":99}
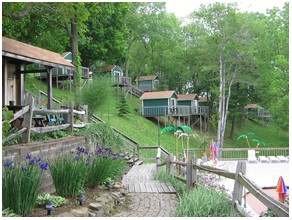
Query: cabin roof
{"x":28,"y":53}
{"x":157,"y":95}
{"x":150,"y":77}
{"x":187,"y":97}
{"x":252,"y":106}
{"x":203,"y":99}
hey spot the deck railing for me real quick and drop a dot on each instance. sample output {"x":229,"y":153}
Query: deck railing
{"x":26,"y":116}
{"x":178,"y":110}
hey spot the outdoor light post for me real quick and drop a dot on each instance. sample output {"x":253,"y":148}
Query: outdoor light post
{"x":81,"y":198}
{"x":49,"y":207}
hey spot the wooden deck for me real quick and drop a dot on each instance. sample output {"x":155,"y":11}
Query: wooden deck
{"x":140,"y":180}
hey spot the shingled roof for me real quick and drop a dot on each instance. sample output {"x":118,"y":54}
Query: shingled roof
{"x":157,"y":95}
{"x":187,"y":97}
{"x":150,"y":77}
{"x":28,"y":53}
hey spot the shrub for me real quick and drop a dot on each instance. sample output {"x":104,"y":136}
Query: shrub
{"x":103,"y":135}
{"x":69,"y":174}
{"x":21,"y":184}
{"x":94,"y":94}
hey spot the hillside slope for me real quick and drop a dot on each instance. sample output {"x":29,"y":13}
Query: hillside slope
{"x":146,"y":132}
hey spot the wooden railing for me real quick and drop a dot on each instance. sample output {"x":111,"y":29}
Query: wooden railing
{"x":174,"y":111}
{"x":190,"y":169}
{"x":26,"y":115}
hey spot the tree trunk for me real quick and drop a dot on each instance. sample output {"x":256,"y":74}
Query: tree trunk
{"x":74,"y":44}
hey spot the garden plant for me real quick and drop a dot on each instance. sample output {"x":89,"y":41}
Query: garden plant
{"x":21,"y":184}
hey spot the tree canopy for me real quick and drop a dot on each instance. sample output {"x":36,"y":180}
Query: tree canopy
{"x":232,"y":57}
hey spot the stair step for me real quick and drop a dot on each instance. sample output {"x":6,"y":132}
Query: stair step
{"x":139,"y":162}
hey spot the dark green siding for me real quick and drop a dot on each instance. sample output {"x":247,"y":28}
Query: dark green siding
{"x":184,"y":103}
{"x":155,"y":103}
{"x":69,"y":57}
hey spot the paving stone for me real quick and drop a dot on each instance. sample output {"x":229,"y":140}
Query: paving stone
{"x":81,"y":212}
{"x":65,"y":214}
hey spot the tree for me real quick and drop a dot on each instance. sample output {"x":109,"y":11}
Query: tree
{"x":228,"y":37}
{"x":122,"y":107}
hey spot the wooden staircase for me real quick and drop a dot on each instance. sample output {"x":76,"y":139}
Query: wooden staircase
{"x":133,"y":90}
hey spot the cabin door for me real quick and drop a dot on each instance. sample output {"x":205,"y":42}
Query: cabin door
{"x":117,"y":77}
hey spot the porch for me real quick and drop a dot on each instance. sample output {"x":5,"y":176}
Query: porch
{"x":174,"y":111}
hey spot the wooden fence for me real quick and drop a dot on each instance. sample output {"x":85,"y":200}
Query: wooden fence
{"x":27,"y":112}
{"x":240,"y":180}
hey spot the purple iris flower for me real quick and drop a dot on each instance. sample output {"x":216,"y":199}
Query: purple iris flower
{"x":23,"y":169}
{"x":44,"y":166}
{"x":28,"y":156}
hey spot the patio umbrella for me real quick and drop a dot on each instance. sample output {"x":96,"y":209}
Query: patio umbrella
{"x":281,"y":189}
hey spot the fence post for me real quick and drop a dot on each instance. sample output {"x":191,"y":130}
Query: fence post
{"x":169,"y":167}
{"x":70,"y":116}
{"x":85,"y":117}
{"x":158,"y":157}
{"x":238,"y":188}
{"x":190,"y":174}
{"x":27,"y":118}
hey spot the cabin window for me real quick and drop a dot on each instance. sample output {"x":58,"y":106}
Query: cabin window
{"x":172,"y":102}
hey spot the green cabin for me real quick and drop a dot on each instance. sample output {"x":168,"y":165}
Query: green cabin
{"x":188,"y":104}
{"x":116,"y":74}
{"x":147,"y":83}
{"x":158,"y":103}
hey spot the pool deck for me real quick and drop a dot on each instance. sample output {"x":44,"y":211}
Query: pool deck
{"x":265,"y":175}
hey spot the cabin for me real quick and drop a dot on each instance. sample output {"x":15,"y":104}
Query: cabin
{"x":147,"y":83}
{"x":61,"y":74}
{"x":116,"y":74}
{"x":19,"y":58}
{"x":158,"y":103}
{"x":190,"y":101}
{"x":255,"y":111}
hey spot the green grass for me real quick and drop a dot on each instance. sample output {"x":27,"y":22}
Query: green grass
{"x":146,"y":132}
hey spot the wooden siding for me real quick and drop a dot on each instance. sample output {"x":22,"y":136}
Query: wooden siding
{"x":184,"y":103}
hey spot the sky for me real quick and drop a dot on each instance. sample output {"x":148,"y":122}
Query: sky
{"x":182,"y":8}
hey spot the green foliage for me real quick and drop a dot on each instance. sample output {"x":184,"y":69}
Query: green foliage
{"x":123,"y":107}
{"x":9,"y":213}
{"x":101,"y":134}
{"x":104,"y":164}
{"x":203,"y":202}
{"x":42,"y":199}
{"x":69,"y":174}
{"x":200,"y":201}
{"x":77,"y":71}
{"x":6,"y":117}
{"x":94,"y":94}
{"x":21,"y":183}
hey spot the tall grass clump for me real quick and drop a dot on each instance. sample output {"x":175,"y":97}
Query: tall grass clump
{"x":204,"y":202}
{"x":104,"y":163}
{"x":69,"y":174}
{"x":21,"y":184}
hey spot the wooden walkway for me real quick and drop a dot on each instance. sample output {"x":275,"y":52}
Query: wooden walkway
{"x":140,"y":180}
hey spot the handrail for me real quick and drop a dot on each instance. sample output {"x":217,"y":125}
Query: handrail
{"x":241,"y":180}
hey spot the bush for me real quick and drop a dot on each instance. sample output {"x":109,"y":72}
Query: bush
{"x":94,"y":94}
{"x":42,"y":199}
{"x":102,"y":134}
{"x":21,"y":184}
{"x":69,"y":174}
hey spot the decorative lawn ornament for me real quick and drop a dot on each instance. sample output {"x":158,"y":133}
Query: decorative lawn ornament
{"x":258,"y":142}
{"x":177,"y":131}
{"x":246,"y":137}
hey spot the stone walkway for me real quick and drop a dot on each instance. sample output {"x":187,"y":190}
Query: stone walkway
{"x":146,"y":204}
